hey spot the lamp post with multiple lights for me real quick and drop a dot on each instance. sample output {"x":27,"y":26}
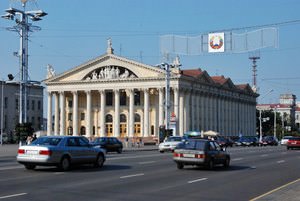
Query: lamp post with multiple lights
{"x":23,"y":27}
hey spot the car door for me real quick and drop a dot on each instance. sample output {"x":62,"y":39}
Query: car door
{"x":220,"y":153}
{"x":87,"y":153}
{"x":73,"y":149}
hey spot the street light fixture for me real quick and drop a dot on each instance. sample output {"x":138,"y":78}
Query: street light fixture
{"x":23,"y":27}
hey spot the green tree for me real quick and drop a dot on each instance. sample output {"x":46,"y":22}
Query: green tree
{"x":23,"y":131}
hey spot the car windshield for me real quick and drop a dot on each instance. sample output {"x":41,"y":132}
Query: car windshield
{"x":194,"y":145}
{"x":173,"y":139}
{"x":47,"y":141}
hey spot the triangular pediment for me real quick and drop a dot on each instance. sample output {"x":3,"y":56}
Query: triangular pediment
{"x":108,"y":67}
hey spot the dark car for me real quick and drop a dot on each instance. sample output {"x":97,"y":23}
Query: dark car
{"x":200,"y":152}
{"x":110,"y":144}
{"x":269,"y":140}
{"x":244,"y":141}
{"x":293,"y":142}
{"x":224,"y":141}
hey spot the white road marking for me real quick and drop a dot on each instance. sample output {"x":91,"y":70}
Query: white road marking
{"x":197,"y":180}
{"x":237,"y":159}
{"x":281,"y":161}
{"x":14,"y":195}
{"x":146,"y":162}
{"x":264,"y":155}
{"x":133,"y":175}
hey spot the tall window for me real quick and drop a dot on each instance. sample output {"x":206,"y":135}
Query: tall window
{"x":109,"y":98}
{"x":32,"y":104}
{"x":137,"y":98}
{"x":17,"y":104}
{"x":5,"y":102}
{"x":39,"y":105}
{"x":123,"y":98}
{"x":70,"y":116}
{"x":70,"y":103}
{"x":82,"y":117}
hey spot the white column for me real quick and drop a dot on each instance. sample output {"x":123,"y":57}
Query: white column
{"x":197,"y":112}
{"x":117,"y":113}
{"x":181,"y":113}
{"x":102,"y":112}
{"x":131,"y":113}
{"x":161,"y":106}
{"x":88,"y":113}
{"x":176,"y":108}
{"x":62,"y":129}
{"x":192,"y":120}
{"x":56,"y":114}
{"x":187,"y":119}
{"x":146,"y":113}
{"x":75,"y":113}
{"x":49,"y":115}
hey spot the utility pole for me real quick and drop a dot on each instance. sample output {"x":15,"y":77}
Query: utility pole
{"x":254,"y":57}
{"x":23,"y":27}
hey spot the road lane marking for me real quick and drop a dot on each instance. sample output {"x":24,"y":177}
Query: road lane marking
{"x":14,"y":195}
{"x":264,"y":155}
{"x":146,"y":162}
{"x":197,"y":180}
{"x":281,"y":161}
{"x":133,"y":175}
{"x":237,"y":159}
{"x":274,"y":190}
{"x":11,"y":167}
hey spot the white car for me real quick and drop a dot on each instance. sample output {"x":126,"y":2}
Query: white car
{"x":285,"y":139}
{"x":169,"y":144}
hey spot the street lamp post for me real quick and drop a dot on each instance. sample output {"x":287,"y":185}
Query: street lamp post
{"x":260,"y":118}
{"x":2,"y":111}
{"x":23,"y":27}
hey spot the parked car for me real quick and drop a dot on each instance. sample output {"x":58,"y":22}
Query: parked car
{"x":269,"y":140}
{"x":285,"y":139}
{"x":246,"y":141}
{"x":293,"y":142}
{"x":110,"y":144}
{"x":169,"y":144}
{"x":224,"y":141}
{"x":200,"y":152}
{"x":60,"y":151}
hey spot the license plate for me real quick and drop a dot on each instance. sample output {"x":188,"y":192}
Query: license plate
{"x":189,"y":155}
{"x":31,"y":152}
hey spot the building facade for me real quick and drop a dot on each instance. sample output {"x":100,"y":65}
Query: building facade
{"x":10,"y":106}
{"x":114,"y":96}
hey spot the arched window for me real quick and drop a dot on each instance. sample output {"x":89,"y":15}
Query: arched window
{"x":123,"y":118}
{"x":137,"y":118}
{"x":108,"y":118}
{"x":82,"y":130}
{"x":70,"y":130}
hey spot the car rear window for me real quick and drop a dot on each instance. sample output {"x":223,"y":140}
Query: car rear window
{"x":194,"y":145}
{"x":295,"y":138}
{"x":47,"y":141}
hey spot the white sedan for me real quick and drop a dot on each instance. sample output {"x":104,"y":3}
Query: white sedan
{"x":285,"y":139}
{"x":169,"y":144}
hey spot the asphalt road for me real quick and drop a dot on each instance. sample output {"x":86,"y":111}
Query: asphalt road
{"x":150,"y":175}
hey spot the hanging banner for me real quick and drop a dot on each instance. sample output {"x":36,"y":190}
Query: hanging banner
{"x":216,"y":42}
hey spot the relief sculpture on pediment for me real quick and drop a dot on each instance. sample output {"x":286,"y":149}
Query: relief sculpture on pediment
{"x":110,"y":72}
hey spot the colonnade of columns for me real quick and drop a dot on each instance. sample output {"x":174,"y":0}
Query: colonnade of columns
{"x":194,"y":110}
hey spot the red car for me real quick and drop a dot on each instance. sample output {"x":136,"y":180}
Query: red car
{"x":293,"y":142}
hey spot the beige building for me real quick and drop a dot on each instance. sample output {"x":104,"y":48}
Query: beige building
{"x":114,"y":96}
{"x":11,"y":103}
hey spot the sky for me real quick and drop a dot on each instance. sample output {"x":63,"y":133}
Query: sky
{"x":76,"y":31}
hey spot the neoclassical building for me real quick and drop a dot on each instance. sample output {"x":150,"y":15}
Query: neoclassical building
{"x":114,"y":96}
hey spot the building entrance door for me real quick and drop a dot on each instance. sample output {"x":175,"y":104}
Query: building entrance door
{"x":137,"y":130}
{"x":109,"y":130}
{"x":123,"y":130}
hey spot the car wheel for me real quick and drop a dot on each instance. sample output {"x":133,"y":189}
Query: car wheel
{"x":64,"y":164}
{"x":99,"y":161}
{"x":210,"y":164}
{"x":161,"y":151}
{"x":119,"y":150}
{"x":227,"y":162}
{"x":180,"y":166}
{"x":30,"y":166}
